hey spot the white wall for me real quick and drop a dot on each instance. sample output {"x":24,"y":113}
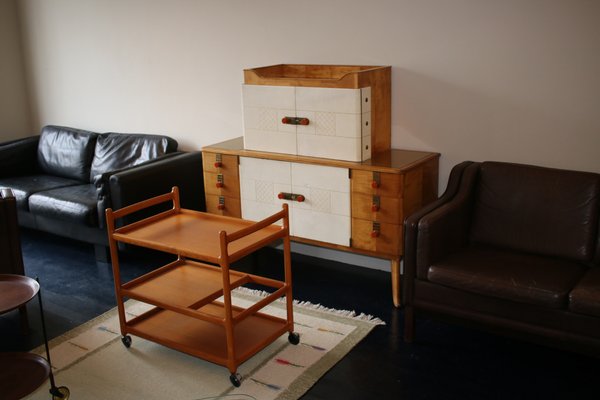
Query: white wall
{"x":14,"y":109}
{"x":513,"y":80}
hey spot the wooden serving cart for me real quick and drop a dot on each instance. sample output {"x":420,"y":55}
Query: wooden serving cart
{"x":188,"y":315}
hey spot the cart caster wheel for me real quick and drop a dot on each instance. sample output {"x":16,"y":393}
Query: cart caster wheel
{"x":236,"y":379}
{"x":294,"y":338}
{"x":126,"y":341}
{"x":60,"y":393}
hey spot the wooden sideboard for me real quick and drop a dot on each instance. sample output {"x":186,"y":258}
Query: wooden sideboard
{"x":357,"y":207}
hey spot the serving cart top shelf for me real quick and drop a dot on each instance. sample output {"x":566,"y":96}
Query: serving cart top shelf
{"x":192,"y":234}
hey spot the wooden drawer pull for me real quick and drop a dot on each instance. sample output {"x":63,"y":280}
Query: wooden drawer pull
{"x":221,"y":205}
{"x":376,"y":230}
{"x":291,"y":196}
{"x":218,"y":160}
{"x":220,"y":181}
{"x":294,"y":121}
{"x":375,"y":204}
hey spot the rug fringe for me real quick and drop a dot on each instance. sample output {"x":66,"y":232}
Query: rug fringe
{"x":308,"y":305}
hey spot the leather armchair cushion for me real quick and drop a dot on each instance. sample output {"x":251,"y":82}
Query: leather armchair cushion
{"x":25,"y":186}
{"x":76,"y":204}
{"x":538,"y":210}
{"x":115,"y":151}
{"x":518,"y":277}
{"x":66,"y":152}
{"x":585,"y":297}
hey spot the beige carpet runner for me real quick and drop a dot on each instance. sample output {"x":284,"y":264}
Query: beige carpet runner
{"x":93,"y":363}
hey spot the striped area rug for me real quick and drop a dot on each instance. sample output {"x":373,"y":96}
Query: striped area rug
{"x":93,"y":363}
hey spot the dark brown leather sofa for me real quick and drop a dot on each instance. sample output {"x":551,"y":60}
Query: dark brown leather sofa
{"x":511,"y":248}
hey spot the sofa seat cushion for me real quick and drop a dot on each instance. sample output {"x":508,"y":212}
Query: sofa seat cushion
{"x":76,"y":204}
{"x":518,"y":277}
{"x":116,"y":151}
{"x":25,"y":186}
{"x":585,"y":297}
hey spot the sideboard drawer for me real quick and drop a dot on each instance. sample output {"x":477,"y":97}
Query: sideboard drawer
{"x":377,"y":208}
{"x":221,"y":184}
{"x":377,"y":183}
{"x":220,"y":163}
{"x":222,"y":205}
{"x":377,"y":236}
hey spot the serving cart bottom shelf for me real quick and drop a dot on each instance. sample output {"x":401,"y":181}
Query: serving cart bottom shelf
{"x":205,"y":339}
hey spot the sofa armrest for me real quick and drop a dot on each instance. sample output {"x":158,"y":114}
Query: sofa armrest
{"x":150,"y":179}
{"x":442,"y":226}
{"x":19,"y":157}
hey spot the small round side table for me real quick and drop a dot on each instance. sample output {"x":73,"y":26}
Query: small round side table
{"x":22,"y":373}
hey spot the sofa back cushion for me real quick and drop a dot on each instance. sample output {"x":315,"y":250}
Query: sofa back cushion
{"x":66,"y":152}
{"x":115,"y":151}
{"x":538,"y":210}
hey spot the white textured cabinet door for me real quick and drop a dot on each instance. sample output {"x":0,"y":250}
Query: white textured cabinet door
{"x":264,"y":107}
{"x":324,"y":215}
{"x":260,"y":183}
{"x":339,"y":121}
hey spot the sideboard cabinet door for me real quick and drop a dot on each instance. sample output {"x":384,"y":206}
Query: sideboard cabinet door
{"x":318,"y":196}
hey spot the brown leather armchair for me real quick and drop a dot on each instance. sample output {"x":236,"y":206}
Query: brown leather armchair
{"x":511,"y":248}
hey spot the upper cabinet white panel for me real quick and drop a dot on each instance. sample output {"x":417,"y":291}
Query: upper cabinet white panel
{"x":347,"y":101}
{"x":308,"y":121}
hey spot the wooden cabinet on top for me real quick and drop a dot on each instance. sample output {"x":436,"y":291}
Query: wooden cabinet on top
{"x":357,"y":207}
{"x":188,"y":315}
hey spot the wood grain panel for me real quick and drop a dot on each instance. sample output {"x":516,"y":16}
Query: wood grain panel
{"x":413,"y":191}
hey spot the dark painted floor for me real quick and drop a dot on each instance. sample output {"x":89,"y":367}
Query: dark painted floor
{"x":446,"y":361}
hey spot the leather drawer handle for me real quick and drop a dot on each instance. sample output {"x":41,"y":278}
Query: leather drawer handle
{"x":294,"y":121}
{"x":291,"y":196}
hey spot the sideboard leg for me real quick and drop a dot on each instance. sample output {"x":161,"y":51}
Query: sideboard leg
{"x":396,"y":295}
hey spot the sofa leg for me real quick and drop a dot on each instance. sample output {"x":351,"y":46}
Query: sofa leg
{"x":409,"y":324}
{"x":102,"y":253}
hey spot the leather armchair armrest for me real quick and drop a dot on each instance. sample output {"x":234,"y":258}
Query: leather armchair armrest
{"x":151,"y":179}
{"x":441,"y":226}
{"x":19,"y":157}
